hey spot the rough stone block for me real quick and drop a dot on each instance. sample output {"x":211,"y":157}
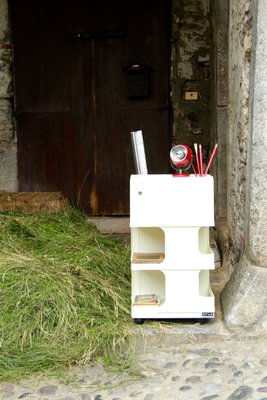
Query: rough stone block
{"x":5,"y":81}
{"x":244,"y":298}
{"x":8,"y":168}
{"x":6,"y":123}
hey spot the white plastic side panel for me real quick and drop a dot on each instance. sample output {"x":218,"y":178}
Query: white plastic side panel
{"x":186,"y":248}
{"x":165,"y":200}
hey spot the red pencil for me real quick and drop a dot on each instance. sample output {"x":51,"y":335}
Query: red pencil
{"x":194,"y":170}
{"x":211,"y":158}
{"x":200,"y":160}
{"x":198,"y":168}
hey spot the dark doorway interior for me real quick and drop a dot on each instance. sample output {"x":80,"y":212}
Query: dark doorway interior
{"x":87,"y":73}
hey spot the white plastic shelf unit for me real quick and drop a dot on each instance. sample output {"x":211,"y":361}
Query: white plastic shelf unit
{"x":170,"y":254}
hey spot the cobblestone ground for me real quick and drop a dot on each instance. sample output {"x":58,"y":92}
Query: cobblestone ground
{"x":228,"y":369}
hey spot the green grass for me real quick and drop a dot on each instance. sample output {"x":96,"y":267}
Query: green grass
{"x":64,"y":293}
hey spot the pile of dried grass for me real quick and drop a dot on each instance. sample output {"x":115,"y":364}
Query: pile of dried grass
{"x":29,"y":202}
{"x":64,"y":293}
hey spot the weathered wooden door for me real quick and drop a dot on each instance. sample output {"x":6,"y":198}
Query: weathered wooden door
{"x":86,"y":73}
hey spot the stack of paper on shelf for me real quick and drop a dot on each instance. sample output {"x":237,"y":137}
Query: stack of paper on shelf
{"x":146,"y":300}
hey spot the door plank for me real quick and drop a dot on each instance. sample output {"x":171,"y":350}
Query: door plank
{"x":74,"y":111}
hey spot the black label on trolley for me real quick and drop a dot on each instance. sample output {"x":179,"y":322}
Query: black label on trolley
{"x":207,"y":314}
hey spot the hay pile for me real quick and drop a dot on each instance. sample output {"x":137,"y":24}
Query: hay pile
{"x":29,"y":202}
{"x":64,"y":293}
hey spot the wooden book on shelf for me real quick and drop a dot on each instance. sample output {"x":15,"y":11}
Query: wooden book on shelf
{"x":148,"y":257}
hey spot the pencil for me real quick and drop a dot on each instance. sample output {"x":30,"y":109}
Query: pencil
{"x":211,"y":158}
{"x":200,"y":160}
{"x":196,"y":151}
{"x":194,"y":170}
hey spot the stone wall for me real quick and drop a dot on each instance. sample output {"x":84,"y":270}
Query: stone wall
{"x":244,"y":298}
{"x":219,"y":106}
{"x":191,"y":45}
{"x":8,"y":148}
{"x":240,"y":34}
{"x":200,"y":53}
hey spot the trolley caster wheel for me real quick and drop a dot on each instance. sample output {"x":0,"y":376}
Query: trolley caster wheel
{"x":203,"y":321}
{"x":139,"y":321}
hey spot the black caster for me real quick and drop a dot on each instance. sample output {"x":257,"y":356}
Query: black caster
{"x":203,"y":321}
{"x":139,"y":321}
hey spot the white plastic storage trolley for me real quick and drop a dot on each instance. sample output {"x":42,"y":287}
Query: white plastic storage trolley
{"x":170,"y":253}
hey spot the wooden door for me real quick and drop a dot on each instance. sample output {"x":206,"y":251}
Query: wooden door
{"x":86,"y":74}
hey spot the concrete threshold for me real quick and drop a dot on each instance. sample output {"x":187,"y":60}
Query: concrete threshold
{"x":111,"y":225}
{"x":153,"y":335}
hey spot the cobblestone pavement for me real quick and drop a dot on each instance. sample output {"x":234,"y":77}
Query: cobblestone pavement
{"x":200,"y":370}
